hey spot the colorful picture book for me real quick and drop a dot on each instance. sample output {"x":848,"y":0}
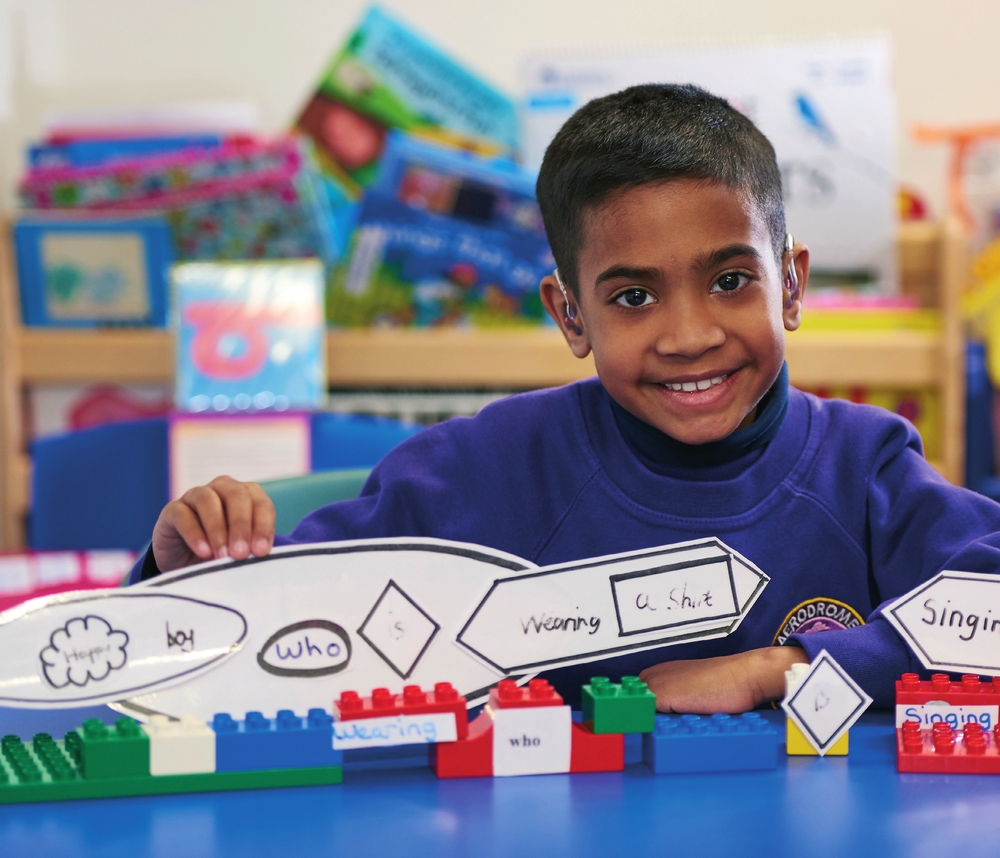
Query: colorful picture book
{"x":250,"y":336}
{"x":385,"y":77}
{"x":443,"y":238}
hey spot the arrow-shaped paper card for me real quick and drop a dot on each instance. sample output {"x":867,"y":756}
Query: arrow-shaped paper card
{"x":952,"y":622}
{"x":578,"y":612}
{"x":294,"y":629}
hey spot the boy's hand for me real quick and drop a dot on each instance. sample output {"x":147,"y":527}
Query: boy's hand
{"x":729,"y":683}
{"x":226,"y":518}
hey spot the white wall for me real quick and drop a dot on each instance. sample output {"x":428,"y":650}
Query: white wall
{"x":114,"y":53}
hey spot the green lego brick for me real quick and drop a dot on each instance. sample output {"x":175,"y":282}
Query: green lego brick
{"x":45,"y":771}
{"x":626,"y":708}
{"x":121,"y":751}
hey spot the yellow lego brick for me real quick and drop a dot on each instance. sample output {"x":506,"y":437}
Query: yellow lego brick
{"x":798,"y":745}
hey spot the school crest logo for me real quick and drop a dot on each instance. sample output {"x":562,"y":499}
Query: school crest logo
{"x":817,"y":615}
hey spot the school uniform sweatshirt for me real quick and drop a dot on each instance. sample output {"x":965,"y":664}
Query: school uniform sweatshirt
{"x":833,"y":500}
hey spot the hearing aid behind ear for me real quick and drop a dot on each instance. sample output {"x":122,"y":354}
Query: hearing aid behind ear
{"x":570,"y":316}
{"x":793,"y":277}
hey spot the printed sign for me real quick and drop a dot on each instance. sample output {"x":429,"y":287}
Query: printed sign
{"x":952,"y":622}
{"x":826,"y":703}
{"x":394,"y":730}
{"x":535,"y":740}
{"x":294,"y":629}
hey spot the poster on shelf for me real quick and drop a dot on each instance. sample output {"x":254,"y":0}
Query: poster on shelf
{"x":827,"y":107}
{"x":250,"y":335}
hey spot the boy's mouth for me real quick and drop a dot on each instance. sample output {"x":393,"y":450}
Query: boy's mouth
{"x":696,"y":386}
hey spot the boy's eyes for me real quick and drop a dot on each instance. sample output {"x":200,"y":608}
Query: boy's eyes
{"x":730,"y":282}
{"x":634,"y":298}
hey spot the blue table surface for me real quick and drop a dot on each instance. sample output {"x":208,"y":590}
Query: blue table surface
{"x":807,"y":807}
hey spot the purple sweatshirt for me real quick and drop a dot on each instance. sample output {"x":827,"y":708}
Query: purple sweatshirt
{"x":839,"y":508}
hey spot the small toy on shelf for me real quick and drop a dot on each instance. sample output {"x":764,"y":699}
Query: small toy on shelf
{"x":716,"y":743}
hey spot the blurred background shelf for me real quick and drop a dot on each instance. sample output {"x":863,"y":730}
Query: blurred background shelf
{"x":932,"y":262}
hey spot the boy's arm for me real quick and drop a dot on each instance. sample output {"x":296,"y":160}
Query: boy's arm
{"x":728,"y":683}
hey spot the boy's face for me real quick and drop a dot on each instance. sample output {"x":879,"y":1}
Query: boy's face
{"x":683,"y":304}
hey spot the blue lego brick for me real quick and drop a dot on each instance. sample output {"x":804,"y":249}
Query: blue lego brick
{"x":716,"y":743}
{"x":282,"y":743}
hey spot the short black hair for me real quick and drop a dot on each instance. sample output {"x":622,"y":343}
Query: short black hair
{"x":650,"y":133}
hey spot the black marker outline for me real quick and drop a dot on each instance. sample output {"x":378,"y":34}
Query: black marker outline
{"x":378,"y":652}
{"x":660,"y":570}
{"x":234,"y":647}
{"x":339,"y":631}
{"x":762,"y":581}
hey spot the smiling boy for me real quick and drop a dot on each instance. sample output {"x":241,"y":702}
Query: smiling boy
{"x":663,"y":208}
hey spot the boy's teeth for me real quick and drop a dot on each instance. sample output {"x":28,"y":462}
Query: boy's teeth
{"x":692,"y":386}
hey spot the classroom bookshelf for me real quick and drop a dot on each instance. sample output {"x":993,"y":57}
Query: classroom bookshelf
{"x":933,"y":264}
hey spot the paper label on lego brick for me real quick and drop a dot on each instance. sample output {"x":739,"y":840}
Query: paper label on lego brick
{"x":928,"y":714}
{"x":535,"y":740}
{"x":952,"y":622}
{"x":825,"y":703}
{"x":576,"y":612}
{"x":79,"y":649}
{"x":394,"y":730}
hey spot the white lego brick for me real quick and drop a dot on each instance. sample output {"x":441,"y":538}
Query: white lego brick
{"x":534,"y":740}
{"x":180,"y":747}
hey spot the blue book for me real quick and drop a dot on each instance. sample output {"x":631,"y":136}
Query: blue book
{"x":250,"y":335}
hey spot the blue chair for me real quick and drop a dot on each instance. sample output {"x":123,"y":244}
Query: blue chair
{"x":104,"y":487}
{"x":98,"y":488}
{"x":294,"y":498}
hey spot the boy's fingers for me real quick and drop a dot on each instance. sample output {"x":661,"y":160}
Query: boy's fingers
{"x":186,"y":523}
{"x":206,"y":504}
{"x":238,"y":507}
{"x":263,"y":520}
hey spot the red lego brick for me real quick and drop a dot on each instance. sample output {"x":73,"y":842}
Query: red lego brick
{"x":971,"y":691}
{"x":471,"y":757}
{"x":413,"y":701}
{"x":972,"y":751}
{"x":507,"y":695}
{"x":595,"y":752}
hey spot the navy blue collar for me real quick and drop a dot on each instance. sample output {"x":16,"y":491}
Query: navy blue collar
{"x":663,"y":451}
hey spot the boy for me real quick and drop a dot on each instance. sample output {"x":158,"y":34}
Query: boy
{"x":663,"y":208}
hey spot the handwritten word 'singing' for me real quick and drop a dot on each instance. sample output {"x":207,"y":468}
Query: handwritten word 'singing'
{"x":944,"y":616}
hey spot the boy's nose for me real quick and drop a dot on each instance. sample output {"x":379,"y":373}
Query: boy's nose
{"x":688,"y":332}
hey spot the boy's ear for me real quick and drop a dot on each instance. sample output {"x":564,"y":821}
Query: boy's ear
{"x":562,"y":306}
{"x":794,"y":279}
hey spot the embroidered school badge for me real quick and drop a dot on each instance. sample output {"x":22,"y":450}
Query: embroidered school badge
{"x":817,"y":615}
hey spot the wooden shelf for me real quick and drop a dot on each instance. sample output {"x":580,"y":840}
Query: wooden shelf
{"x":472,"y":359}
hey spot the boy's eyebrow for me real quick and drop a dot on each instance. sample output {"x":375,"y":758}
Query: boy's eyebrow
{"x":626,"y":271}
{"x":724,"y":254}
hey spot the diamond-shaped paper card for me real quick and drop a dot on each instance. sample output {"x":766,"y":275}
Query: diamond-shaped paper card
{"x":825,"y":703}
{"x":398,"y":629}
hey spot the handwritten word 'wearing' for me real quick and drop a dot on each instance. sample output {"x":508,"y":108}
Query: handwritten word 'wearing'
{"x":545,"y":623}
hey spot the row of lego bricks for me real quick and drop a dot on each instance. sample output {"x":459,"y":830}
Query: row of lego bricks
{"x":47,"y":769}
